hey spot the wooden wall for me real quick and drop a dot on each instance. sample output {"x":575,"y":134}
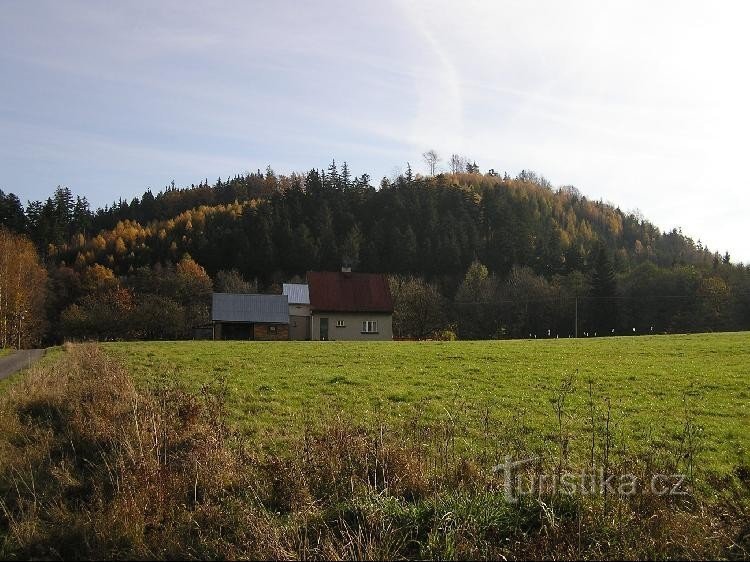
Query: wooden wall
{"x":268,"y":332}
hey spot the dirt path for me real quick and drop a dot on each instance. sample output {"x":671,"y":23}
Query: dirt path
{"x":18,"y":360}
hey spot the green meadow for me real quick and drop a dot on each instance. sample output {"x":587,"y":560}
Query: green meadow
{"x":653,"y":385}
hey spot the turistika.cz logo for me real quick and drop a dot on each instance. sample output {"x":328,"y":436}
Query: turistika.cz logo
{"x":520,"y":479}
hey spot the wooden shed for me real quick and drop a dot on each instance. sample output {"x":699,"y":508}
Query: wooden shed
{"x":250,"y":316}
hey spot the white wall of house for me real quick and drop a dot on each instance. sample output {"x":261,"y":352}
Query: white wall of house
{"x":348,"y":326}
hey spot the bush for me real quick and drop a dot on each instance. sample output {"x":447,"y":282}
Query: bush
{"x":445,"y":335}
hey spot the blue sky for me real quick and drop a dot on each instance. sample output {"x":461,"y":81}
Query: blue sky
{"x":641,"y":104}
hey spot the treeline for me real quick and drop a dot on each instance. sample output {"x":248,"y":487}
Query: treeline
{"x":505,"y":257}
{"x":645,"y":300}
{"x":164,"y":302}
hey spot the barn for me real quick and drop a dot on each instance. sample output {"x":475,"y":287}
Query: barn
{"x":250,"y":317}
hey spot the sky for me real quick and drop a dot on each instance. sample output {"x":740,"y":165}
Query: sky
{"x":642,"y":104}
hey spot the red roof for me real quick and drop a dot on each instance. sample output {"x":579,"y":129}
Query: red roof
{"x":333,"y":291}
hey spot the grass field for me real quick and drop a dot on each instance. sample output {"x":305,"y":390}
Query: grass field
{"x":379,"y":450}
{"x":654,"y":384}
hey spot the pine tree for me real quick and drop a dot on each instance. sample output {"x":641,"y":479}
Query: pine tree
{"x":82,"y":217}
{"x":328,"y":253}
{"x":334,"y":180}
{"x":304,"y":253}
{"x":604,"y":291}
{"x":345,"y":176}
{"x":63,"y":204}
{"x":409,"y":176}
{"x":11,"y":212}
{"x":313,"y":183}
{"x":363,"y":182}
{"x":472,"y":168}
{"x":404,"y":250}
{"x":350,"y":248}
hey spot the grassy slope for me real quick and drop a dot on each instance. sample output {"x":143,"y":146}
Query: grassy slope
{"x":275,"y":388}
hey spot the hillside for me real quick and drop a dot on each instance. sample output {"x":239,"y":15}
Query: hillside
{"x":531,"y":243}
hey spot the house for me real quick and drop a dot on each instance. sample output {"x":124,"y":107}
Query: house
{"x":250,"y":317}
{"x":299,"y":310}
{"x":350,"y":306}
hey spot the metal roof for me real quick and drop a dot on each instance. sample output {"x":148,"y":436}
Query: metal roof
{"x":297,"y":293}
{"x":349,"y":292}
{"x":231,"y":307}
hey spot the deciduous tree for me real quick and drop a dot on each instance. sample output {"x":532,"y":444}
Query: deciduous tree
{"x":418,"y":307}
{"x":431,"y":158}
{"x":22,"y":292}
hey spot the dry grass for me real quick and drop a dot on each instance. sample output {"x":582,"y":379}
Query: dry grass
{"x":91,"y":467}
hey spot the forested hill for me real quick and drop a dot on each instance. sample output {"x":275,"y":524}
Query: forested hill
{"x":270,"y":228}
{"x":265,"y":225}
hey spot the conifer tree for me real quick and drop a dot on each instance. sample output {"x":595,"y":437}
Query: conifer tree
{"x":345,"y":176}
{"x":604,"y":291}
{"x":409,"y":176}
{"x":334,"y":180}
{"x":11,"y":212}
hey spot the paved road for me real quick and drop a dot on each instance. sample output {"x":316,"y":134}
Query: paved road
{"x":18,"y":360}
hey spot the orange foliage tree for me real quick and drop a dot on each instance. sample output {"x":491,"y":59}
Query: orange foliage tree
{"x":22,"y":292}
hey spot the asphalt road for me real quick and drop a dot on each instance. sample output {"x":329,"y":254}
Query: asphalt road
{"x":11,"y":364}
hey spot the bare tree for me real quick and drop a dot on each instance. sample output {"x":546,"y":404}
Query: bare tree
{"x":456,"y":164}
{"x":431,"y":158}
{"x":460,"y":164}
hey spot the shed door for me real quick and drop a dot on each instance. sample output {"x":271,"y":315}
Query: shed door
{"x":324,"y":329}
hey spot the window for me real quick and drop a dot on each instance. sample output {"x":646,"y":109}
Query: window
{"x":272,"y":329}
{"x":370,"y":327}
{"x":340,"y":324}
